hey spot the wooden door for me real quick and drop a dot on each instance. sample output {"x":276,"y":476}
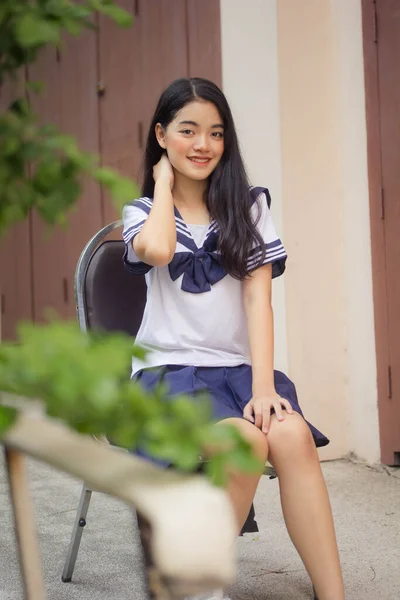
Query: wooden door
{"x":162,"y":45}
{"x":204,"y":39}
{"x":382,"y":60}
{"x":70,"y":102}
{"x":121,"y":138}
{"x":163,"y":51}
{"x":143,"y":61}
{"x":15,"y":257}
{"x":183,"y":42}
{"x":48,"y":247}
{"x":80,"y":118}
{"x":102,"y":88}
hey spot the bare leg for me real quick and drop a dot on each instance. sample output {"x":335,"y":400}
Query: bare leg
{"x":242,"y":487}
{"x":305,"y":503}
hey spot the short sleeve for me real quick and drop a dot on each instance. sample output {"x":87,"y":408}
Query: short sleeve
{"x":134,"y":215}
{"x":275,"y":252}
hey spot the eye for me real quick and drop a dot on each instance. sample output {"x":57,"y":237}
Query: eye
{"x":218,"y":134}
{"x":186,"y":131}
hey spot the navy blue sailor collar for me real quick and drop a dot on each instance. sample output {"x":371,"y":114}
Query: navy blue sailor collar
{"x":201,"y":267}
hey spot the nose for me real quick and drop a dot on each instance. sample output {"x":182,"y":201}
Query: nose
{"x":201,"y":143}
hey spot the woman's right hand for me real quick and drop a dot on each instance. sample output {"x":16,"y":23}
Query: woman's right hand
{"x":163,"y":171}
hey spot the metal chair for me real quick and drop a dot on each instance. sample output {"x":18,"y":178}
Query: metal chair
{"x":109,"y":298}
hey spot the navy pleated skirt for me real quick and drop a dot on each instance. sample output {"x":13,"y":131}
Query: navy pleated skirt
{"x":229,"y":388}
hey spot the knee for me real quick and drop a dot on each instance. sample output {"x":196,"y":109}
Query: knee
{"x":290,"y":437}
{"x":258,"y":441}
{"x":254,"y":436}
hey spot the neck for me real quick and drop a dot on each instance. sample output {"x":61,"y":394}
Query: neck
{"x":188,"y":192}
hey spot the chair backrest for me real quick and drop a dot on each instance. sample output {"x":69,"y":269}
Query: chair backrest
{"x":107,"y":296}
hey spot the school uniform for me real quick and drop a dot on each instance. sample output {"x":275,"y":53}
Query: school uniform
{"x":194,"y":325}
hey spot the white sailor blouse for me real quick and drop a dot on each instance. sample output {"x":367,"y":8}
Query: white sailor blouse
{"x":194,"y":313}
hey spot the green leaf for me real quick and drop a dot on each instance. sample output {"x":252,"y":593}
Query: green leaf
{"x":242,"y":460}
{"x":20,"y":107}
{"x":4,"y":12}
{"x":215,"y":469}
{"x":123,"y":191}
{"x":33,"y":30}
{"x":117,"y":14}
{"x":83,"y":380}
{"x":188,"y":456}
{"x":7,"y":418}
{"x":48,"y":174}
{"x":35,"y":86}
{"x":72,"y":26}
{"x":139,"y":352}
{"x":10,"y":145}
{"x":105,"y":176}
{"x":121,"y":188}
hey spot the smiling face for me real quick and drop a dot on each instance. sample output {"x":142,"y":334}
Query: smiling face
{"x":194,"y":140}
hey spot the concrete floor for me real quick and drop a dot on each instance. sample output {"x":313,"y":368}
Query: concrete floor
{"x":366,"y":505}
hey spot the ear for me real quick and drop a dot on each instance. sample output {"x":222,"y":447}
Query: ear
{"x":160,"y":135}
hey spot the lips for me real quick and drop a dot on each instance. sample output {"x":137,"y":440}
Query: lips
{"x":199,"y":160}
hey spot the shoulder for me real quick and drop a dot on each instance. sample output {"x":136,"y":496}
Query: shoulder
{"x":260,"y":203}
{"x":135,"y":206}
{"x":134,"y":214}
{"x":260,"y":195}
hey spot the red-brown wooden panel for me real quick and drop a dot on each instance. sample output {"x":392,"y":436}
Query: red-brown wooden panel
{"x":48,"y":247}
{"x":164,"y":57}
{"x":388,"y":15}
{"x":204,"y":39}
{"x":15,"y":257}
{"x":376,"y":223}
{"x":120,"y":102}
{"x":15,"y":279}
{"x":80,"y":118}
{"x":143,"y":61}
{"x":70,"y":102}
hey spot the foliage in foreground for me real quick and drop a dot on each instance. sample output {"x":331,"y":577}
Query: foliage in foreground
{"x":40,"y":167}
{"x":84,"y":380}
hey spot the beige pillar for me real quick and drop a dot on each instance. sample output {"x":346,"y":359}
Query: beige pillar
{"x":326,"y":220}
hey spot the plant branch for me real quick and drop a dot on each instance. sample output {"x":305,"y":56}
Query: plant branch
{"x":185,"y":509}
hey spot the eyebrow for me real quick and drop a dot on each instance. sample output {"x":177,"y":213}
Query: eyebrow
{"x":219,"y":125}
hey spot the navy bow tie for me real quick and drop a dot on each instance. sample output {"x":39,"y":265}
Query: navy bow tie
{"x":201,"y":269}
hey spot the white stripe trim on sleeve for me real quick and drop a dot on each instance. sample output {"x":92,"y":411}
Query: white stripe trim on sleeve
{"x":131,"y":231}
{"x":271,"y":256}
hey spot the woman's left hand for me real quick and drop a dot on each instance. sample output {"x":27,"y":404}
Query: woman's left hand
{"x":258,"y":410}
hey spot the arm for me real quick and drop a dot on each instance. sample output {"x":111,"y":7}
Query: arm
{"x":260,"y":320}
{"x":155,"y":244}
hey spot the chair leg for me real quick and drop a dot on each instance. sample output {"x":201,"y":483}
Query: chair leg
{"x":80,"y":522}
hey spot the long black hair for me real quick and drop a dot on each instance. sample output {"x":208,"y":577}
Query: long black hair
{"x":228,"y":195}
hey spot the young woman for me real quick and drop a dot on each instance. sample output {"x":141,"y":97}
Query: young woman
{"x":208,"y":247}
